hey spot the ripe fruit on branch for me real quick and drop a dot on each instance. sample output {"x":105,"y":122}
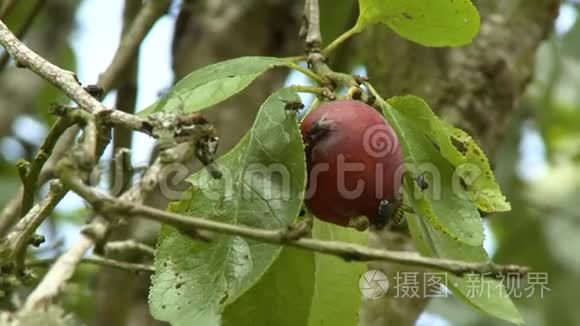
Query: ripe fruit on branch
{"x":354,"y":162}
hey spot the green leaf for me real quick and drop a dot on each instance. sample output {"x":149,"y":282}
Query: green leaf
{"x":262,"y":186}
{"x":281,"y":297}
{"x":213,"y":84}
{"x":478,"y":176}
{"x":457,"y":147}
{"x":305,"y":288}
{"x":426,"y":227}
{"x":337,"y":294}
{"x":485,"y":294}
{"x":443,"y":203}
{"x":430,"y":23}
{"x":417,"y":110}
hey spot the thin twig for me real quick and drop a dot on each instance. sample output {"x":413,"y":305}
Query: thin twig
{"x":18,"y":240}
{"x":319,"y":91}
{"x":312,"y":20}
{"x":11,"y":211}
{"x":313,"y":43}
{"x":16,"y":243}
{"x":121,"y":170}
{"x":64,"y":267}
{"x":58,"y":274}
{"x":296,"y":58}
{"x":113,"y":206}
{"x":127,"y":246}
{"x":90,"y":139}
{"x":30,"y":181}
{"x":101,"y":261}
{"x":305,"y":71}
{"x":126,"y":99}
{"x":67,"y":82}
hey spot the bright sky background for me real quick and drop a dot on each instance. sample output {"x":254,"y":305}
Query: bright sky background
{"x":95,"y":44}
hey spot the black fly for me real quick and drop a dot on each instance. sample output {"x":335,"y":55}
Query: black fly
{"x":292,"y":106}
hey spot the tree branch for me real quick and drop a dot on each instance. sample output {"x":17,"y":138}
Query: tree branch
{"x":58,"y":274}
{"x":316,"y":59}
{"x":64,"y":267}
{"x":13,"y":247}
{"x":67,"y":82}
{"x":15,"y":244}
{"x":110,"y":206}
{"x":127,"y":246}
{"x":11,"y":211}
{"x":30,"y":181}
{"x":313,"y":38}
{"x":101,"y":261}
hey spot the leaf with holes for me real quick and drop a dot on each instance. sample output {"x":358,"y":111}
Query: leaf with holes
{"x":431,"y":229}
{"x":213,"y":84}
{"x":430,"y":23}
{"x":444,"y":204}
{"x":477,"y":175}
{"x":486,"y":294}
{"x":457,"y":147}
{"x":262,"y":186}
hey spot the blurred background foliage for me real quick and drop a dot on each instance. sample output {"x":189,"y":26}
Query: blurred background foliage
{"x":538,"y":166}
{"x":538,"y":163}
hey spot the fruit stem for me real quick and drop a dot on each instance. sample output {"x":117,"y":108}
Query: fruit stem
{"x":319,"y":91}
{"x":305,"y":71}
{"x":296,"y":58}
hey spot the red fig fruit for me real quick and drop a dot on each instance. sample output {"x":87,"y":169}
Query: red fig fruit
{"x":354,"y":163}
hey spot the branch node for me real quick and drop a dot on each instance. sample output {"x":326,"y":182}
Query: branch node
{"x":295,"y":231}
{"x":23,"y":167}
{"x":95,"y":91}
{"x":95,"y":231}
{"x":36,"y":240}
